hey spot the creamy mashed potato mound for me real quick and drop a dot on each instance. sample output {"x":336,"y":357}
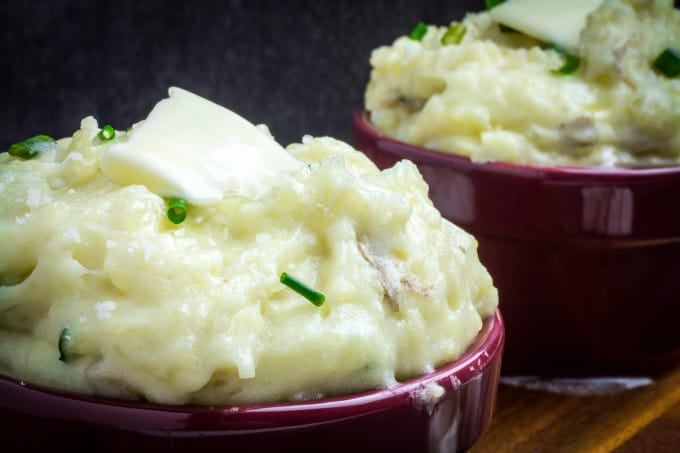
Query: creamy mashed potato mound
{"x":137,"y":307}
{"x":492,"y":97}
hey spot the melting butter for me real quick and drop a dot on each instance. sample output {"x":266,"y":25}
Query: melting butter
{"x":559,"y":21}
{"x":191,"y":148}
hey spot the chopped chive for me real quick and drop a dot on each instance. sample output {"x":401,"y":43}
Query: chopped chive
{"x":305,"y":291}
{"x":418,"y":31}
{"x":31,"y":147}
{"x":492,"y":3}
{"x":177,"y":210}
{"x":64,"y":339}
{"x":668,"y":62}
{"x":505,"y":29}
{"x":107,"y":133}
{"x":571,"y":62}
{"x":454,"y":34}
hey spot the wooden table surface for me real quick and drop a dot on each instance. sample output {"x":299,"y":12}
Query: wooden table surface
{"x":639,"y":420}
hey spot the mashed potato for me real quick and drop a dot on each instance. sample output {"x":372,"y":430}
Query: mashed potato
{"x":100,"y":293}
{"x":492,"y":97}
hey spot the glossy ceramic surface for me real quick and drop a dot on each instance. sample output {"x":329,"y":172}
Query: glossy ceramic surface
{"x":395,"y":419}
{"x":586,"y":260}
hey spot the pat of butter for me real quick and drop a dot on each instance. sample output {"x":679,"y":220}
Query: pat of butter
{"x":191,"y":148}
{"x":557,"y":21}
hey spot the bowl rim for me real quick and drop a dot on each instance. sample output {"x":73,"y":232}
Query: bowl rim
{"x":363,"y":125}
{"x":24,"y":397}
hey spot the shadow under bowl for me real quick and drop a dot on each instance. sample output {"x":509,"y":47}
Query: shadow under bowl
{"x":586,"y":260}
{"x":398,"y":418}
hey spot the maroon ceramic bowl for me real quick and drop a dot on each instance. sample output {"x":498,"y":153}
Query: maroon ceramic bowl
{"x":395,"y":419}
{"x":586,"y":260}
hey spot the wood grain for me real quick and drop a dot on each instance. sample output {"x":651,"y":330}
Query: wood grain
{"x":661,"y":435}
{"x":645,"y":419}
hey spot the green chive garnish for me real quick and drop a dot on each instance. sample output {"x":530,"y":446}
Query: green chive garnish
{"x":668,"y":62}
{"x":64,"y":338}
{"x":505,"y":29}
{"x":177,"y":210}
{"x":454,"y":34}
{"x":305,"y":291}
{"x":571,"y":62}
{"x":492,"y":3}
{"x":31,"y":147}
{"x":418,"y":31}
{"x":107,"y":133}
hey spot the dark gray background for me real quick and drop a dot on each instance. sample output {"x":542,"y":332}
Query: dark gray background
{"x":299,"y":66}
